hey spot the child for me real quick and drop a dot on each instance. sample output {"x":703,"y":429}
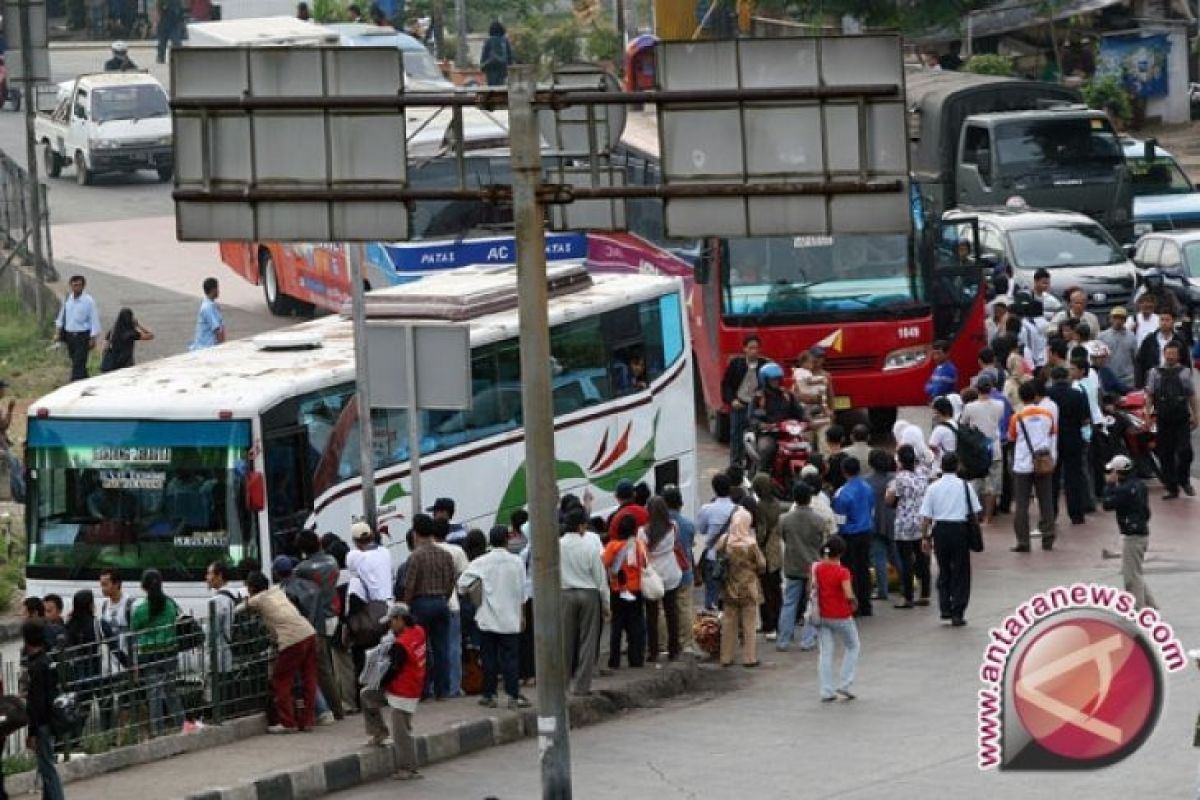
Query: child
{"x":835,"y":605}
{"x":1126,"y":495}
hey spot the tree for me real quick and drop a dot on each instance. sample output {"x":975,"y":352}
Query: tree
{"x":984,"y":64}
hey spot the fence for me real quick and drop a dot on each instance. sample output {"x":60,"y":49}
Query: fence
{"x":153,"y":682}
{"x":16,"y":223}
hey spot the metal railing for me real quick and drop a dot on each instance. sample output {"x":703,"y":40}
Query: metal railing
{"x":154,"y":682}
{"x":16,"y":223}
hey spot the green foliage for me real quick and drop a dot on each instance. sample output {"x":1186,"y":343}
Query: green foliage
{"x":562,"y":43}
{"x":480,"y":13}
{"x":21,"y":762}
{"x":25,"y":362}
{"x":527,"y":43}
{"x":603,"y":42}
{"x":987,"y":64}
{"x":1107,"y":94}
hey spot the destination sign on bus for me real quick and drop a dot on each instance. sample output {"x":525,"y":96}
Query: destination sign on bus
{"x":132,"y":479}
{"x":131,"y":455}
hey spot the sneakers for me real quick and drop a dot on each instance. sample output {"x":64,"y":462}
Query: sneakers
{"x":487,"y":702}
{"x":378,"y":740}
{"x":519,"y":701}
{"x":1188,"y":490}
{"x":326,"y":719}
{"x":280,"y":729}
{"x":772,"y":636}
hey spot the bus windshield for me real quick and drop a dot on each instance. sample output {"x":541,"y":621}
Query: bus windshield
{"x":1031,"y":145}
{"x":819,"y":275}
{"x":137,"y":494}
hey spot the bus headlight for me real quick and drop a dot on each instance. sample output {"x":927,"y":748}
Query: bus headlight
{"x":905,"y":358}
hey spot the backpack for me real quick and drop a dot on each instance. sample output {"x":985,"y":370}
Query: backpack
{"x":974,"y":449}
{"x":1170,"y":397}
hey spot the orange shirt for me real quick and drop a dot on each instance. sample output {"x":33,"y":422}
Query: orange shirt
{"x":632,"y":567}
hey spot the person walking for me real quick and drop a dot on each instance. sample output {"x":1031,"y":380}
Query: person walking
{"x":949,"y":506}
{"x":321,"y":569}
{"x":625,"y":557}
{"x":40,"y":693}
{"x":153,"y":623}
{"x":1122,"y":345}
{"x":738,"y":385}
{"x":170,"y":26}
{"x":497,"y":55}
{"x":1073,"y":416}
{"x":770,"y":541}
{"x":210,"y":322}
{"x":1126,"y":495}
{"x":984,"y":410}
{"x":1171,"y":401}
{"x":497,"y":580}
{"x":712,"y":521}
{"x":296,"y":660}
{"x":394,"y":676}
{"x":78,"y":326}
{"x":855,"y":503}
{"x":120,"y":340}
{"x":741,"y":592}
{"x":660,"y":536}
{"x":1152,"y":349}
{"x":803,"y":534}
{"x":905,"y":493}
{"x":428,"y":582}
{"x":585,"y":599}
{"x":883,"y":534}
{"x":1032,"y":431}
{"x":836,"y":602}
{"x":685,"y":532}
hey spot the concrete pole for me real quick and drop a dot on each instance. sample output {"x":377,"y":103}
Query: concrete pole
{"x":525,"y":142}
{"x":362,"y":379}
{"x":33,"y":225}
{"x":462,"y":58}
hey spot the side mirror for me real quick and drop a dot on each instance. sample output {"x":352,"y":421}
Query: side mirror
{"x":1130,"y":249}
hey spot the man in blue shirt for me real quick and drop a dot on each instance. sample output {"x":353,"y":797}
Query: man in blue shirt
{"x":854,"y":504}
{"x":944,"y":379}
{"x":711,"y":522}
{"x":686,"y":532}
{"x":78,"y":326}
{"x":210,"y":324}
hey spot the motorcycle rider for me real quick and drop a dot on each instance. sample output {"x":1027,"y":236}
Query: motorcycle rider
{"x":772,"y":404}
{"x":120,"y":61}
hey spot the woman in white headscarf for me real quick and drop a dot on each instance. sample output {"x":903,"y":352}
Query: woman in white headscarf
{"x":906,"y":433}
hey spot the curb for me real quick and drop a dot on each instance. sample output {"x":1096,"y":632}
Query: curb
{"x":368,"y":765}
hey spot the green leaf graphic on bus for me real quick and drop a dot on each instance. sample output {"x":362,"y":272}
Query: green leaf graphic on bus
{"x":393,"y":493}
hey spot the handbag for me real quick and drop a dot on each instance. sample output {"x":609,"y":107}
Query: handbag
{"x":1043,"y":459}
{"x":363,"y":627}
{"x":974,"y":532}
{"x":653,"y":587}
{"x":718,"y":568}
{"x":812,"y":612}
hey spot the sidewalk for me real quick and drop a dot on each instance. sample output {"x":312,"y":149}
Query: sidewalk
{"x":336,"y":757}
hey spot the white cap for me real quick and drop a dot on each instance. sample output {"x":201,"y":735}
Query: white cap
{"x":1097,"y":349}
{"x":120,"y":47}
{"x":360,"y":530}
{"x":1119,"y":464}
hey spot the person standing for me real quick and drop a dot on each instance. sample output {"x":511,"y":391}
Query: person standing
{"x":120,"y":340}
{"x":883,"y":535}
{"x":905,"y":493}
{"x":1171,"y":401}
{"x":296,"y":660}
{"x":741,"y":593}
{"x":984,"y":411}
{"x":1145,"y":322}
{"x":153,"y":622}
{"x":41,"y":690}
{"x":222,"y":605}
{"x":1073,"y":417}
{"x":395,"y":676}
{"x":498,"y":580}
{"x":443,"y":509}
{"x":1152,"y":351}
{"x":738,"y":385}
{"x":803,"y":535}
{"x":943,"y":437}
{"x":855,"y":503}
{"x":950,"y":504}
{"x":1126,"y":495}
{"x":585,"y":600}
{"x":770,"y":541}
{"x":321,"y":569}
{"x":944,"y":379}
{"x":170,"y":26}
{"x":210,"y":322}
{"x":659,"y":536}
{"x":497,"y":55}
{"x":1122,"y":345}
{"x":627,"y":504}
{"x":685,"y":530}
{"x":712,"y":521}
{"x":836,"y":603}
{"x":428,"y":583}
{"x":625,"y":557}
{"x":1032,"y":431}
{"x":441,"y":532}
{"x":78,"y":326}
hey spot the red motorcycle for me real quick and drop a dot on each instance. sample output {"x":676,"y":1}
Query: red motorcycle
{"x":1134,"y":430}
{"x":792,"y":451}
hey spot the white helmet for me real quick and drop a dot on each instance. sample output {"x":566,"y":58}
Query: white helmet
{"x":120,"y":48}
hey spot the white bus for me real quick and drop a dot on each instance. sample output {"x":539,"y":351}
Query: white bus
{"x":164,"y":465}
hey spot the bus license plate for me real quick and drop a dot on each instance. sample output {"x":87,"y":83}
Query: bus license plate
{"x":841,"y":403}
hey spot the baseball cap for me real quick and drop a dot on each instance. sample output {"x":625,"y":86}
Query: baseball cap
{"x":1119,"y":311}
{"x":360,"y":530}
{"x":283,"y":565}
{"x":443,"y":504}
{"x":396,"y":610}
{"x":1119,"y":464}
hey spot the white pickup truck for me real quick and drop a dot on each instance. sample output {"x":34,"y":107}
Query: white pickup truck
{"x":108,"y":122}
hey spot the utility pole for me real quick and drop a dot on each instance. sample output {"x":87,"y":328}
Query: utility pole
{"x":362,"y":380}
{"x":33,"y":226}
{"x":462,"y":58}
{"x":553,"y":726}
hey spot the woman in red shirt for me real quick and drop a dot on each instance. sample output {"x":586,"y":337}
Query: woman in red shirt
{"x":624,"y":558}
{"x":836,"y":603}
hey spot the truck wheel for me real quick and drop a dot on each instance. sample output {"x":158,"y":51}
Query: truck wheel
{"x":278,"y":303}
{"x":52,"y":160}
{"x":83,"y":175}
{"x":166,"y":173}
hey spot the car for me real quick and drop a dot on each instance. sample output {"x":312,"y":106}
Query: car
{"x":1171,"y":261}
{"x":1164,"y":196}
{"x":421,"y":73}
{"x":1075,"y":249}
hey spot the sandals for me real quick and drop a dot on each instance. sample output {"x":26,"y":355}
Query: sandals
{"x":407,"y":775}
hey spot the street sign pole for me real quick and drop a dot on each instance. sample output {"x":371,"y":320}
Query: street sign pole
{"x":525,"y":142}
{"x":414,"y":419}
{"x":362,"y":378}
{"x":34,"y":225}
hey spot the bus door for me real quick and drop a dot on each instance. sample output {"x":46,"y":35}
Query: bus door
{"x":959,"y":293}
{"x":288,"y":474}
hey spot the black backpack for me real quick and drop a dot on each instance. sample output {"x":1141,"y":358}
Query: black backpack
{"x":1170,"y":397}
{"x":974,"y":449}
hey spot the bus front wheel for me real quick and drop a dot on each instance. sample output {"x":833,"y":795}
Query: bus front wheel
{"x":279,"y":303}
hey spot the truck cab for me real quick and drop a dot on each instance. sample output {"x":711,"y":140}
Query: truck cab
{"x":108,"y":122}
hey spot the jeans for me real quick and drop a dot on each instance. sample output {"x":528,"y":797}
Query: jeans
{"x":829,"y":631}
{"x":667,"y":607}
{"x":456,"y":659}
{"x":795,"y":601}
{"x":1173,"y":443}
{"x":712,"y":586}
{"x":51,"y":784}
{"x":500,"y":661}
{"x":739,"y":420}
{"x":433,"y":613}
{"x":858,"y":561}
{"x":170,"y":28}
{"x":157,"y":673}
{"x":883,"y":552}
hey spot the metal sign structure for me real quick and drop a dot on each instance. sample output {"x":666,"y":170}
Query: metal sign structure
{"x":37,"y":67}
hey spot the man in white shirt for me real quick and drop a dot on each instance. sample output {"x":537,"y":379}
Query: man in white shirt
{"x":948,"y":505}
{"x":585,"y":598}
{"x":943,"y":438}
{"x":371,"y":565}
{"x":441,"y":533}
{"x":114,"y":615}
{"x":1031,"y":430}
{"x":78,"y":326}
{"x":222,"y":602}
{"x":1146,"y":321}
{"x":498,"y":581}
{"x":984,"y":413}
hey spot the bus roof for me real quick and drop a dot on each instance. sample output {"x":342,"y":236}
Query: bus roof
{"x":242,"y":380}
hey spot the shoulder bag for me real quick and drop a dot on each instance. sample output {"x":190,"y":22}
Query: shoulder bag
{"x":653,"y":588}
{"x":1043,"y":459}
{"x":812,"y":612}
{"x":974,"y":532}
